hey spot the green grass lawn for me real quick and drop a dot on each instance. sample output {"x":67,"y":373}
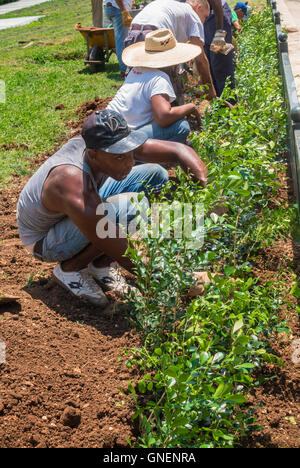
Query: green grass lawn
{"x":48,"y":73}
{"x":38,"y":78}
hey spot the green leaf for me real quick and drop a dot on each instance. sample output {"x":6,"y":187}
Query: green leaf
{"x":236,"y":398}
{"x":237,"y":326}
{"x":142,"y":386}
{"x":247,"y":365}
{"x":217,"y":357}
{"x":242,"y":339}
{"x":150,"y":441}
{"x":137,"y":413}
{"x":229,"y":270}
{"x":291,"y":419}
{"x":181,"y":421}
{"x":214,"y":217}
{"x":295,"y":291}
{"x":222,"y":389}
{"x":150,"y":386}
{"x":204,"y":356}
{"x":172,"y":371}
{"x":271,"y":144}
{"x":131,"y":387}
{"x":158,"y":351}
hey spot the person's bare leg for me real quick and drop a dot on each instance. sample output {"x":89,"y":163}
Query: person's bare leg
{"x":81,"y":260}
{"x":115,"y":247}
{"x":102,"y":261}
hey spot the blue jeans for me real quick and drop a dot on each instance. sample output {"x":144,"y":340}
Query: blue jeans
{"x":115,"y":16}
{"x":64,"y":240}
{"x":178,"y":131}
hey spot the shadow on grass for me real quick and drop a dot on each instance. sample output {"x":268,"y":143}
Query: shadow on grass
{"x":111,"y":70}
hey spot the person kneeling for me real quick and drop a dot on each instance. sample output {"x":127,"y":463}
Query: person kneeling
{"x":145,"y":98}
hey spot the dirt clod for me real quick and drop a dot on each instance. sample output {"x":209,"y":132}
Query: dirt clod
{"x":71,"y":417}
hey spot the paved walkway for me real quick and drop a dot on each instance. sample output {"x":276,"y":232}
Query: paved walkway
{"x":13,"y":22}
{"x":19,"y":5}
{"x":290,"y":20}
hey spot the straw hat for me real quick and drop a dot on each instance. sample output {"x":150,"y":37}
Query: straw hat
{"x":159,"y":50}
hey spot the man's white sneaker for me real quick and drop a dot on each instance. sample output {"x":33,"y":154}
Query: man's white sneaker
{"x":81,"y":284}
{"x":111,"y":278}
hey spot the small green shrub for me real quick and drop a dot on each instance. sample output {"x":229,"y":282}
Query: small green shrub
{"x":199,"y":356}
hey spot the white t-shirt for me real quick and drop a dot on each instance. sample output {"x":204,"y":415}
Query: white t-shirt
{"x":127,"y":3}
{"x":133,"y":100}
{"x":180,"y":18}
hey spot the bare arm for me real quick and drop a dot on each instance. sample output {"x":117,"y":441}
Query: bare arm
{"x":202,"y":65}
{"x":157,"y":151}
{"x":120,"y":4}
{"x":165,"y":115}
{"x":70,"y":191}
{"x":237,"y":25}
{"x":216,"y":5}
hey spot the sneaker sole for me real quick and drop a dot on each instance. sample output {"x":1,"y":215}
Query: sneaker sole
{"x":80,"y":297}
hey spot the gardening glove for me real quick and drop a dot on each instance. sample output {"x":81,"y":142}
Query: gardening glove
{"x":218,"y":41}
{"x":219,"y":45}
{"x":127,"y":18}
{"x":227,"y":48}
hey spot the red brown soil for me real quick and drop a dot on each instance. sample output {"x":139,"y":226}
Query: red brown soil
{"x":60,"y":386}
{"x":277,"y":401}
{"x":65,"y":362}
{"x":87,"y":108}
{"x":63,"y":357}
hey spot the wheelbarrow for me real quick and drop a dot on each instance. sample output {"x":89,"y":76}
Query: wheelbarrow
{"x":100,"y":44}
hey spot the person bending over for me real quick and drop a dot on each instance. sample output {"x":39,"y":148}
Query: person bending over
{"x":186,"y":22}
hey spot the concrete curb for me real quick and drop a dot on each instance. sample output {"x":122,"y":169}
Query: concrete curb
{"x":289,"y":24}
{"x":287,"y":20}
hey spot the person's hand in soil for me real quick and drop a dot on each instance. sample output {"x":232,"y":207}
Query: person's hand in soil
{"x":197,"y":115}
{"x":169,"y":152}
{"x":211,"y":94}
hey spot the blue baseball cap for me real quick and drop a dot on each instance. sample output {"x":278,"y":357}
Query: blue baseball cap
{"x":242,"y":6}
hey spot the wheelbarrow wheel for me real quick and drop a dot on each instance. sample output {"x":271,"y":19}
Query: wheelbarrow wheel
{"x":97,"y":54}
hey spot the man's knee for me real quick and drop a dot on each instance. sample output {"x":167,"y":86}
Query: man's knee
{"x":184,"y":128}
{"x":157,"y":177}
{"x":159,"y":173}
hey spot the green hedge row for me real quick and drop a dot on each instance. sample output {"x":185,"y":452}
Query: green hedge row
{"x":200,"y":357}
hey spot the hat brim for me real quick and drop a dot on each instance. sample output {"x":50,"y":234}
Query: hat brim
{"x":136,"y":56}
{"x":130,"y":143}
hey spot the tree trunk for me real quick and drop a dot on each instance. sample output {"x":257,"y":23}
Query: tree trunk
{"x":97,"y":12}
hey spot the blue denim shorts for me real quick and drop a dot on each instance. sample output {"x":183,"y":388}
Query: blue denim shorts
{"x":64,"y":240}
